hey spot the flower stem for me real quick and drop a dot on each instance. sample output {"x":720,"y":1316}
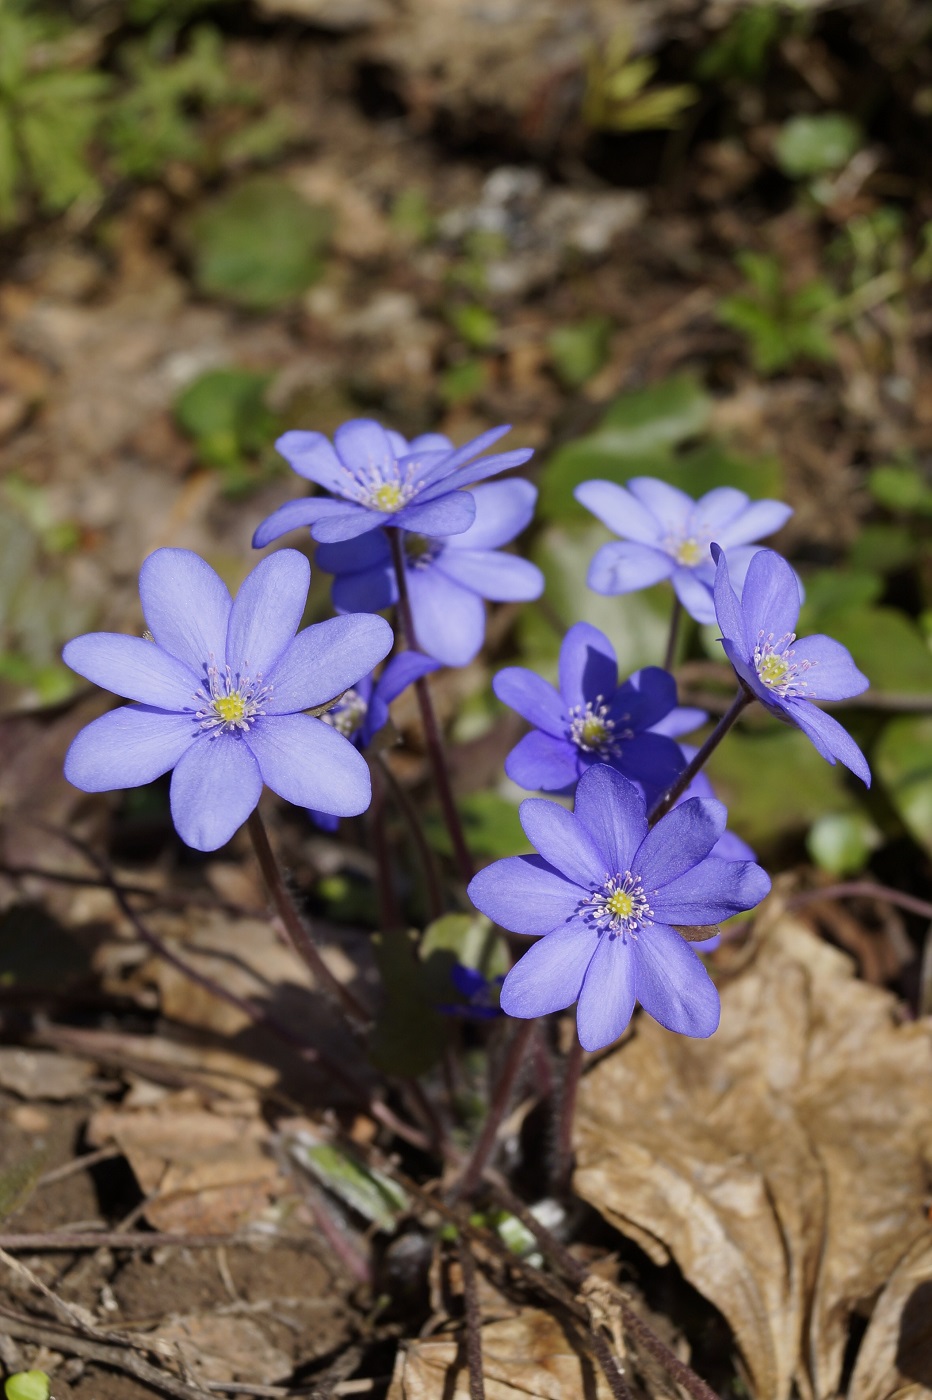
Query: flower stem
{"x":501,"y":1100}
{"x":389,"y":914}
{"x":432,"y":886}
{"x":673,"y":636}
{"x":563,"y":1163}
{"x":740,"y":702}
{"x":295,"y":926}
{"x":432,"y":735}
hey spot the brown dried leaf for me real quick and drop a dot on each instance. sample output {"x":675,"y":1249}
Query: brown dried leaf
{"x":781,"y":1163}
{"x":895,"y":1358}
{"x":224,"y":1346}
{"x":44,"y":1074}
{"x":527,"y":1357}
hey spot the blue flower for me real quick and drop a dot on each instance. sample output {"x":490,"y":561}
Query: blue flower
{"x":480,"y":994}
{"x":447,"y":579}
{"x":784,"y":674}
{"x":666,"y":534}
{"x":375,"y":478}
{"x":362,"y":711}
{"x":602,"y":898}
{"x":220,"y":690}
{"x":590,"y":719}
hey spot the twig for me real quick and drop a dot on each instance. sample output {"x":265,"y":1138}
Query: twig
{"x":473,"y":1317}
{"x":80,"y":1164}
{"x":865,"y":889}
{"x":38,"y":1241}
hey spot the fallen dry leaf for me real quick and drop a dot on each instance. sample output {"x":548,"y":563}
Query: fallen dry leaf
{"x":527,"y":1357}
{"x":895,"y":1358}
{"x":221,"y":1346}
{"x":44,"y":1074}
{"x":782,"y":1163}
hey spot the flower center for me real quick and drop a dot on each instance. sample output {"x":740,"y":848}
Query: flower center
{"x":592,"y":729}
{"x":231,"y":701}
{"x":688,"y":552}
{"x":776,"y":668}
{"x":620,"y":906}
{"x":390,"y":496}
{"x":420,"y":551}
{"x":347,"y":715}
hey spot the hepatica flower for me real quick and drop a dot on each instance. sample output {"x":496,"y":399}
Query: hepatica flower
{"x":375,"y":477}
{"x":590,"y":719}
{"x":447,"y":578}
{"x":602,"y":898}
{"x":219,"y":694}
{"x":666,"y":534}
{"x":786,"y":675}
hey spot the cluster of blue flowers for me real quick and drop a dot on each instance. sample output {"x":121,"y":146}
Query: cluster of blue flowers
{"x":231,"y":696}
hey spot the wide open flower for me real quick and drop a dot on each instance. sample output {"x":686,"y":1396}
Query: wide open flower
{"x":784,"y":674}
{"x":666,"y":534}
{"x":220,"y":690}
{"x":447,"y":579}
{"x":375,"y":477}
{"x":602,"y":897}
{"x":362,"y":711}
{"x":590,"y":719}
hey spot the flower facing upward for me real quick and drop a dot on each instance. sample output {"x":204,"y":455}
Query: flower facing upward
{"x":666,"y":534}
{"x":602,"y":897}
{"x":219,"y":693}
{"x":447,"y":578}
{"x":590,"y":719}
{"x":374,"y":477}
{"x":786,"y":675}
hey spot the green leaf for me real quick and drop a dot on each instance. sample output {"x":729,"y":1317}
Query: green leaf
{"x":409,"y":1033}
{"x":578,"y":352}
{"x":469,"y":939}
{"x":225,"y":412}
{"x":260,"y":244}
{"x":900,"y":486}
{"x":475,"y":325}
{"x":9,"y":168}
{"x":903,"y":761}
{"x":888,"y":647}
{"x":27,"y":1385}
{"x":373,"y":1195}
{"x":816,"y":145}
{"x":491,"y":825}
{"x":841,"y":842}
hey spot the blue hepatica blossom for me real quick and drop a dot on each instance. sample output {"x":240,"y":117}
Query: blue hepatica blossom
{"x":447,"y":579}
{"x":219,"y":695}
{"x":666,"y":534}
{"x":362,"y":711}
{"x":375,"y":477}
{"x":786,"y":675}
{"x":603,"y":896}
{"x":480,"y":994}
{"x":591,"y":718}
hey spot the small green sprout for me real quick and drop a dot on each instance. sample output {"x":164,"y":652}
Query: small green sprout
{"x":617,"y":96}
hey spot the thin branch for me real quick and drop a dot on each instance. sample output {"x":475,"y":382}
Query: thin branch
{"x":473,"y":1318}
{"x":863,"y":889}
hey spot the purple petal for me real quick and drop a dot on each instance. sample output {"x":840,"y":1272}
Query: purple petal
{"x":606,"y":1002}
{"x":401,"y":671}
{"x":672,"y":984}
{"x":549,"y":976}
{"x":682,"y":720}
{"x":296,"y":515}
{"x":533,"y":698}
{"x":133,"y":668}
{"x":728,"y":610}
{"x":186,"y":606}
{"x":477,"y":445}
{"x":713,"y":511}
{"x":368,"y":551}
{"x":266,"y":612}
{"x":502,"y":578}
{"x":364,"y":447}
{"x":730,"y":847}
{"x":829,"y":737}
{"x":449,"y":621}
{"x":588,"y":666}
{"x":622,"y":567}
{"x":215,"y":786}
{"x":370,"y":590}
{"x":612,"y":811}
{"x":542,"y":762}
{"x":348,"y":523}
{"x":619,"y":510}
{"x":478,"y":471}
{"x":679,"y":841}
{"x":761,"y":518}
{"x":433,"y":442}
{"x":714,"y":889}
{"x":669,"y":506}
{"x":563,"y":841}
{"x":503,"y":510}
{"x":447,"y":514}
{"x":311,"y":456}
{"x":694,"y":594}
{"x":832,"y":674}
{"x":770,"y":598}
{"x":645,"y":698}
{"x":525,"y":895}
{"x":653,"y":761}
{"x":308,"y":763}
{"x":326,"y":659}
{"x":127,"y":748}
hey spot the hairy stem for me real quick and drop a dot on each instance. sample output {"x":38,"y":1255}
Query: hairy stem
{"x":432,"y":734}
{"x":740,"y":702}
{"x":485,"y":1144}
{"x":563,"y":1159}
{"x":473,"y":1321}
{"x":673,"y":636}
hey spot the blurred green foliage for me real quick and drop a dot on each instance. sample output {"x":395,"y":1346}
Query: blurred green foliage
{"x":579,"y":351}
{"x":781,"y":326}
{"x":226,"y":414}
{"x":618,"y":97}
{"x":27,"y":1385}
{"x":807,"y":146}
{"x":743,"y":49}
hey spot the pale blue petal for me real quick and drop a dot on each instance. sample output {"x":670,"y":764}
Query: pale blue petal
{"x":325,"y":660}
{"x":588,"y":666}
{"x":401,"y":671}
{"x":714,"y":889}
{"x":348,"y":523}
{"x":761,"y":518}
{"x":525,"y":895}
{"x":449,"y":621}
{"x":830,"y":738}
{"x":694,"y":594}
{"x":446,"y":515}
{"x":266,"y":613}
{"x":215,"y":786}
{"x":127,"y":748}
{"x":186,"y":606}
{"x":714,"y":511}
{"x":612,"y":811}
{"x":296,"y":515}
{"x":619,"y":510}
{"x":311,"y":456}
{"x":133,"y":668}
{"x":606,"y":1002}
{"x":669,"y":506}
{"x":728,"y":610}
{"x":370,"y":590}
{"x":502,"y":578}
{"x":364,"y":447}
{"x":563,"y":841}
{"x":503,"y":510}
{"x":679,"y":841}
{"x":541,"y":762}
{"x":672,"y":984}
{"x":308,"y":763}
{"x":535,"y":699}
{"x":549,"y":976}
{"x":770,"y":598}
{"x":624,"y":567}
{"x":831,"y":675}
{"x":478,"y":471}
